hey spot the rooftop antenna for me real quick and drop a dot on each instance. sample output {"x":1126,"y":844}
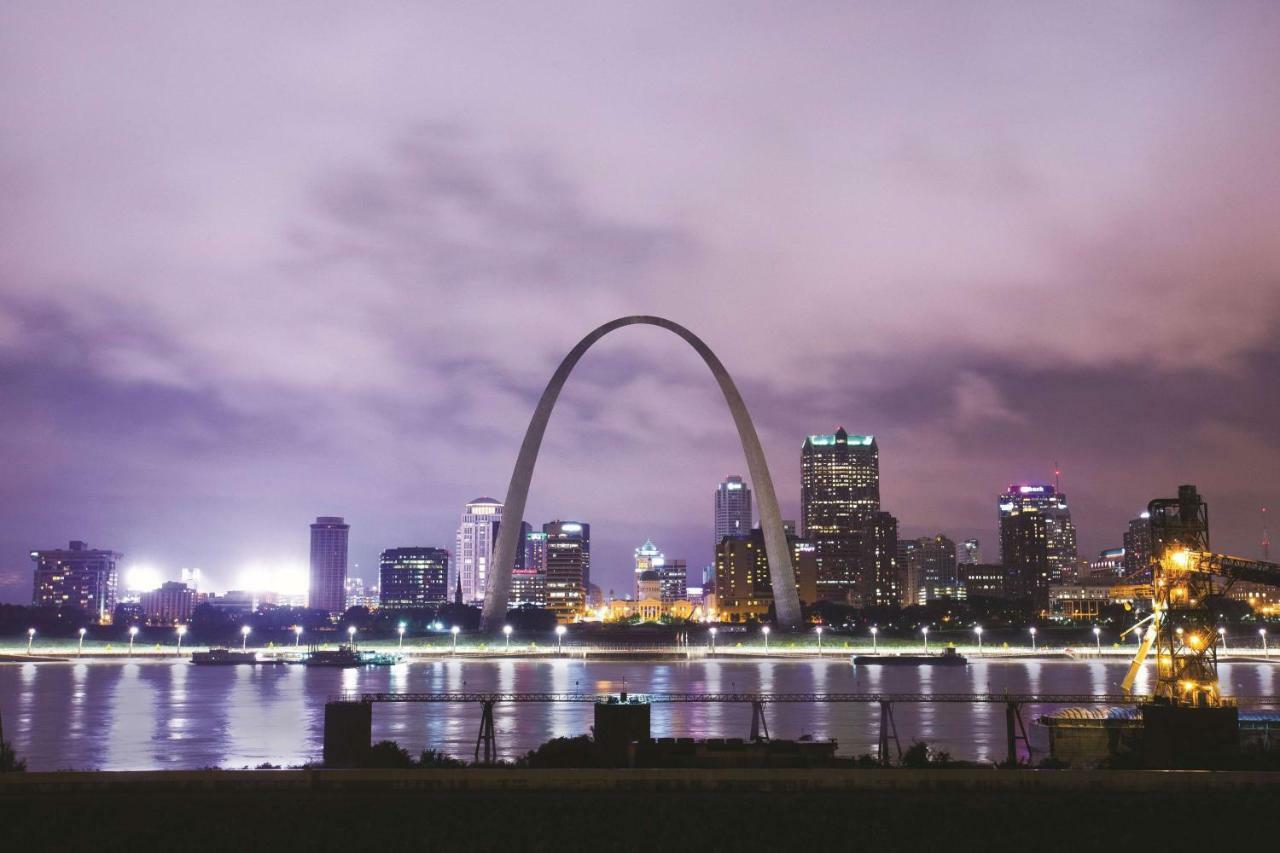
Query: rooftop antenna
{"x":1057,"y":475}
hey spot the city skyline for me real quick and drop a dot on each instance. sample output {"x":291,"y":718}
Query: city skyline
{"x":961,"y":262}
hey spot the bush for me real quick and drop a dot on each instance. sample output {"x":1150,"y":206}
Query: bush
{"x":430,"y":758}
{"x":9,"y":762}
{"x":563,"y":752}
{"x":388,"y":755}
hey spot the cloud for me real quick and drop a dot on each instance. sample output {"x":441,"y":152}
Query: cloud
{"x":272,"y":265}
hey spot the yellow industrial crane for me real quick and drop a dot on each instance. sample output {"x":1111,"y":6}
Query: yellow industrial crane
{"x":1186,"y":577}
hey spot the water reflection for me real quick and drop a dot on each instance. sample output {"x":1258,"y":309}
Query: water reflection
{"x":169,"y":714}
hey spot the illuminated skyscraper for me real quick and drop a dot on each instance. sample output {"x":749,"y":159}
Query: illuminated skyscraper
{"x":972,"y":554}
{"x":568,"y":567}
{"x":327,"y":590}
{"x":529,"y":579}
{"x":1037,"y":539}
{"x":78,"y":576}
{"x":733,"y":508}
{"x":474,"y":552}
{"x":1137,"y":544}
{"x":839,"y":499}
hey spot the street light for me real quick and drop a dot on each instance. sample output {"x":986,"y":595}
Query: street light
{"x":1097,"y":637}
{"x":400,"y":631}
{"x":31,"y":636}
{"x":244,"y":638}
{"x":351,"y":635}
{"x":875,"y":650}
{"x":454,"y":630}
{"x":560,"y":629}
{"x":977,"y":629}
{"x":1262,"y":632}
{"x":925,"y":631}
{"x":80,"y":645}
{"x":1222,"y":634}
{"x":712,"y":633}
{"x":1033,"y":640}
{"x":297,"y":635}
{"x":819,"y":641}
{"x":765,"y":631}
{"x":182,"y":631}
{"x":506,"y":634}
{"x":133,"y":632}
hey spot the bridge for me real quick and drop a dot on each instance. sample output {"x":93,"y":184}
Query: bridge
{"x":355,"y":709}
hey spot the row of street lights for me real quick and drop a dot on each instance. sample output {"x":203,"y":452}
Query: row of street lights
{"x":977,"y":630}
{"x":245,"y":630}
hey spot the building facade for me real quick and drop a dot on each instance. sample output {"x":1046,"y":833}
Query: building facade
{"x":568,"y":568}
{"x":171,"y":604}
{"x":1109,"y":564}
{"x":77,"y":576}
{"x":529,"y":581}
{"x":839,"y":499}
{"x":674,"y":575}
{"x":328,"y":577}
{"x":743,"y":589}
{"x":928,"y":568}
{"x":474,"y":548}
{"x":972,"y":552}
{"x":733,"y":508}
{"x":413,"y":577}
{"x":648,"y":558}
{"x":1037,"y":539}
{"x":1137,"y":544}
{"x":983,"y":580}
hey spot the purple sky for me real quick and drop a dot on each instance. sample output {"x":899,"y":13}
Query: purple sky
{"x":262,"y":262}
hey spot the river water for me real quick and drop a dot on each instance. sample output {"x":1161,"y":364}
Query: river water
{"x":171,"y":715}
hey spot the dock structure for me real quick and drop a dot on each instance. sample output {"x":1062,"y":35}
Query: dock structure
{"x":351,"y":726}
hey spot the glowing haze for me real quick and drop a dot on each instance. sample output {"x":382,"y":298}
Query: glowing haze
{"x":263,"y":262}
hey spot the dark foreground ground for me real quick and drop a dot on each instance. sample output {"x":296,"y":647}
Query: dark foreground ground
{"x":508,"y":810}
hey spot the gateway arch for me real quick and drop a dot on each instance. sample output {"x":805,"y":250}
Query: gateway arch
{"x":498,"y":583}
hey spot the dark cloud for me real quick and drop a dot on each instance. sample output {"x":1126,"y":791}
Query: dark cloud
{"x":263,"y":267}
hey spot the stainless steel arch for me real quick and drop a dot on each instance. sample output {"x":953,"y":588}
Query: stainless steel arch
{"x":498,"y":583}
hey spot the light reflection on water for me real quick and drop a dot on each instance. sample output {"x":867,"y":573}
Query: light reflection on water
{"x":169,"y":714}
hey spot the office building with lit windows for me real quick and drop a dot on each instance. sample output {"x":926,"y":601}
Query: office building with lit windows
{"x":1036,"y":540}
{"x":743,"y":587}
{"x":171,"y":604}
{"x":1046,"y":501}
{"x":328,"y":578}
{"x":413,"y":577}
{"x":77,"y":576}
{"x":568,"y":546}
{"x":928,"y":568}
{"x":476,"y":538}
{"x":733,"y":508}
{"x":840,"y":509}
{"x":1137,"y":545}
{"x":529,"y":579}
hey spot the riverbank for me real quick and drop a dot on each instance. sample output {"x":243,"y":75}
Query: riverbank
{"x":564,"y":810}
{"x":610,"y":653}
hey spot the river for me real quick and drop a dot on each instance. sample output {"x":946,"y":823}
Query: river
{"x":168,"y":714}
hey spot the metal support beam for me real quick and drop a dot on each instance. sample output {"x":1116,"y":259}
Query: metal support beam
{"x":888,"y":728}
{"x":1015,"y":731}
{"x":758,"y":723}
{"x":486,"y":739}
